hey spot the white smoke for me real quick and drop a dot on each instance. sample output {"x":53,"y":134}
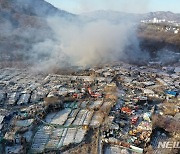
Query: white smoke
{"x":88,"y":43}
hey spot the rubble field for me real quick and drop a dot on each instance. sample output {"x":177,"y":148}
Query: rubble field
{"x":119,"y":108}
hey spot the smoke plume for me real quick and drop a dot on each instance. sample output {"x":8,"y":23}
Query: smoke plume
{"x":88,"y":43}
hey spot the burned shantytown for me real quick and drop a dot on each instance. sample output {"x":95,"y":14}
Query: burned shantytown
{"x":89,"y":77}
{"x":114,"y":108}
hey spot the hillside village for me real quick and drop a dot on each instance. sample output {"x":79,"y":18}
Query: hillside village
{"x":163,"y":25}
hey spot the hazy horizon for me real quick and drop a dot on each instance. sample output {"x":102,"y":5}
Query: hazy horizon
{"x":129,"y":6}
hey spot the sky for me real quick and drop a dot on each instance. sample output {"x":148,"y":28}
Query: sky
{"x":131,"y":6}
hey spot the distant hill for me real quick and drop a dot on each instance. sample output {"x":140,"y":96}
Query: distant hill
{"x":163,"y":15}
{"x":115,"y":15}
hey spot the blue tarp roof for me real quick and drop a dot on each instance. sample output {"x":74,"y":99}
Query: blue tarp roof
{"x":171,"y":93}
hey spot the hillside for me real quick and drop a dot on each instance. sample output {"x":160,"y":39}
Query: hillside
{"x":155,"y":37}
{"x":32,"y":8}
{"x":22,"y":24}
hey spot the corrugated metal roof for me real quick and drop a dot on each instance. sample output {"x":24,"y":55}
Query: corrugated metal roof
{"x":1,"y":118}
